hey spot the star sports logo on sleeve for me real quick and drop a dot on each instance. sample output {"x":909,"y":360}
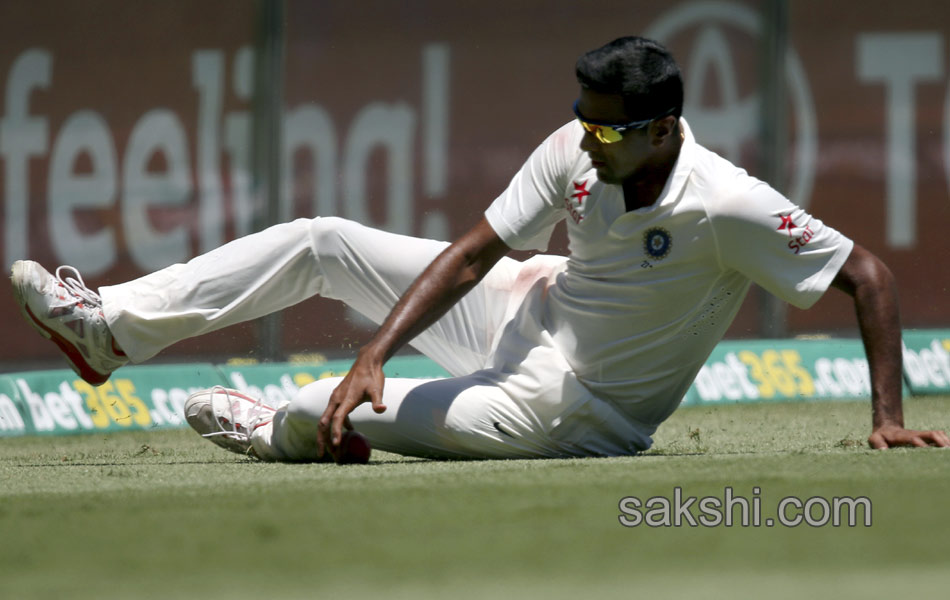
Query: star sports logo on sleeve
{"x":796,"y":243}
{"x":576,"y":200}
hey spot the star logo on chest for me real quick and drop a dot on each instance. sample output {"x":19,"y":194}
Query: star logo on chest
{"x":580,"y":191}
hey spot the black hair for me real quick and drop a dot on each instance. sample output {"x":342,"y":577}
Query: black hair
{"x":639,"y":69}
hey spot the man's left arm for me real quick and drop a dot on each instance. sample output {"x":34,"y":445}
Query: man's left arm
{"x":868,"y":280}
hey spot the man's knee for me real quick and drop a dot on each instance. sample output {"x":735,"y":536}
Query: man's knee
{"x":329,"y":235}
{"x":312,"y":399}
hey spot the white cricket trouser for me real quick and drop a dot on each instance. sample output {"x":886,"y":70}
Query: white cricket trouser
{"x":512,"y":395}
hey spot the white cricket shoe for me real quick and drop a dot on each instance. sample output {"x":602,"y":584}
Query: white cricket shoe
{"x":67,"y":312}
{"x":227,"y":417}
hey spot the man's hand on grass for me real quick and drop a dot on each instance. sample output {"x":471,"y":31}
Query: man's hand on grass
{"x":889,"y":436}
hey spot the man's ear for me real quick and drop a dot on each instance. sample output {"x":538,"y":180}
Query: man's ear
{"x":661,"y":129}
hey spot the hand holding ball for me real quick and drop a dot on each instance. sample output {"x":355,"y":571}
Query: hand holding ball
{"x":354,"y":449}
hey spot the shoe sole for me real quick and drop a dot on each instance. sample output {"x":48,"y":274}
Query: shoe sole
{"x":73,"y":355}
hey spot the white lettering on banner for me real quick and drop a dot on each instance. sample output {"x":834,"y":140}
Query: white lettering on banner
{"x":42,"y":421}
{"x":435,"y":133}
{"x":778,"y":373}
{"x":84,"y":133}
{"x":72,"y":405}
{"x":60,"y":412}
{"x":237,"y":132}
{"x":76,"y":405}
{"x":290,"y":388}
{"x":134,"y":189}
{"x":706,"y":385}
{"x":177,"y":397}
{"x":310,"y":127}
{"x":900,"y":61}
{"x":735,"y":120}
{"x":240,"y":384}
{"x":390,"y":127}
{"x":161,"y":413}
{"x":742,"y":373}
{"x":727,"y":381}
{"x":157,"y":132}
{"x":208,"y":77}
{"x":110,"y":405}
{"x":928,"y":367}
{"x":273,"y":395}
{"x":842,"y":377}
{"x":730,"y":379}
{"x":854,"y":375}
{"x":826,"y":384}
{"x":21,"y":137}
{"x":10,"y":419}
{"x":170,"y":405}
{"x":52,"y":411}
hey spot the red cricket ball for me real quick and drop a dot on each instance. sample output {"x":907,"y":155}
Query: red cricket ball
{"x":354,"y":449}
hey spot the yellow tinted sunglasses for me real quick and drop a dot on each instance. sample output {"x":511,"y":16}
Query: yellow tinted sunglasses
{"x":608,"y":133}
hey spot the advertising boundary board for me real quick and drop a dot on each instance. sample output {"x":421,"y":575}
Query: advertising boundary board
{"x":927,"y":361}
{"x":57,"y":402}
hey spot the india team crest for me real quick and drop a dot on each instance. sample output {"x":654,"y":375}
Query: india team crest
{"x":657,"y":242}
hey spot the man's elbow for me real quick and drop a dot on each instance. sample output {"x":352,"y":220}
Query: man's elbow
{"x":863,"y":272}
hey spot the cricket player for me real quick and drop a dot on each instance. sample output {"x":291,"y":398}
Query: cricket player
{"x":583,"y":355}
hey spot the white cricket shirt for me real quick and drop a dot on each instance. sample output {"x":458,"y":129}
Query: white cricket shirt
{"x":645,"y":296}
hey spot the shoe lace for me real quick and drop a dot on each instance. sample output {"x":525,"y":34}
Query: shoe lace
{"x":256,"y":417}
{"x":70,"y":279}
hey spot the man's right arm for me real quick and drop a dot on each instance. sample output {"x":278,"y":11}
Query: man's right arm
{"x":449,"y":277}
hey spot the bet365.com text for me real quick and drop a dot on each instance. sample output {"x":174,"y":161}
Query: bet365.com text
{"x":734,"y":510}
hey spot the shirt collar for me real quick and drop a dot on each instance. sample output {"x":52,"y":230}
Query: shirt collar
{"x":675,"y":183}
{"x":681,"y":170}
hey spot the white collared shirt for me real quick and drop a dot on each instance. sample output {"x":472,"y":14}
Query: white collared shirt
{"x":645,"y":295}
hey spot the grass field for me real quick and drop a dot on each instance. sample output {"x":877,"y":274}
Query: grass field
{"x":167,"y":515}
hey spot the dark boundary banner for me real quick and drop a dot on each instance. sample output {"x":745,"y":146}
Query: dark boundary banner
{"x":124,"y":149}
{"x":146,"y":397}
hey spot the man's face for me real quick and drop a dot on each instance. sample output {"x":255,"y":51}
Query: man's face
{"x":619,"y":161}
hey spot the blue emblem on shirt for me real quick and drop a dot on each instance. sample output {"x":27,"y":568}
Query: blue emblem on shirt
{"x":657,"y":242}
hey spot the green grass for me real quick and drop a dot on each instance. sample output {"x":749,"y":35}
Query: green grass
{"x":167,"y":515}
